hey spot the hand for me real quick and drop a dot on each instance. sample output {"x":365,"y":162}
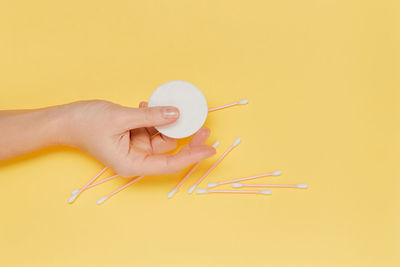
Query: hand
{"x":124,"y":139}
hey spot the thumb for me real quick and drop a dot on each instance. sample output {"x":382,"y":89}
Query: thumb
{"x":149,"y":117}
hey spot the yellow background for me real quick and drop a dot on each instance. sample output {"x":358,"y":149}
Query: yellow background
{"x":322,"y":77}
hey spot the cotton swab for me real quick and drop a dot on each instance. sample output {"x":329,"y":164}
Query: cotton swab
{"x":206,"y":191}
{"x":275,"y":173}
{"x":240,"y":102}
{"x":74,"y":196}
{"x":173,"y":191}
{"x":193,"y":187}
{"x":237,"y":185}
{"x":95,"y":184}
{"x":101,"y":200}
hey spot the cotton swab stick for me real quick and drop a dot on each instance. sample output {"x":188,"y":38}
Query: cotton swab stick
{"x":275,"y":173}
{"x":173,"y":191}
{"x":240,"y":102}
{"x":74,"y":196}
{"x":236,"y":185}
{"x":206,"y":191}
{"x":95,"y":184}
{"x":101,"y":200}
{"x":193,"y":187}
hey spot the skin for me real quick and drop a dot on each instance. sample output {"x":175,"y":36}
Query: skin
{"x":122,"y":138}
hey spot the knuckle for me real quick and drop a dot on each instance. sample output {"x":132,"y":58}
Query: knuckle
{"x":149,"y":115}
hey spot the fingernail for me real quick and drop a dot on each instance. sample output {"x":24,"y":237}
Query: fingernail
{"x":170,"y":113}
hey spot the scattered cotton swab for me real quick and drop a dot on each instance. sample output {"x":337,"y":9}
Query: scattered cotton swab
{"x":206,"y":191}
{"x":173,"y":191}
{"x":275,"y":173}
{"x":237,"y":185}
{"x":95,"y":184}
{"x":193,"y":187}
{"x":101,"y":200}
{"x":240,"y":102}
{"x":74,"y":196}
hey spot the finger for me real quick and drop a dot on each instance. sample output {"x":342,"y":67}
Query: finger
{"x":163,"y":144}
{"x":167,"y":164}
{"x":131,"y":118}
{"x":200,"y":136}
{"x":140,"y":138}
{"x":143,"y":104}
{"x":152,"y":131}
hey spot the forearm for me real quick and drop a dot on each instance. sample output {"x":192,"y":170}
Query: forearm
{"x":23,"y":131}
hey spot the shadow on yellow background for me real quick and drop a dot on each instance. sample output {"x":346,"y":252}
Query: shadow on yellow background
{"x":322,"y":77}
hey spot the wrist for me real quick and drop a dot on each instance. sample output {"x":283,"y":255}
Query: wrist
{"x":62,"y":125}
{"x":23,"y":131}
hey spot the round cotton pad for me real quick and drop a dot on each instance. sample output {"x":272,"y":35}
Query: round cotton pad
{"x":189,"y":100}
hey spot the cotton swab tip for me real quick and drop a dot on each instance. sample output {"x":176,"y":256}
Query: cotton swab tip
{"x":212,"y":185}
{"x":191,"y":189}
{"x":101,"y":200}
{"x":216,"y":143}
{"x":72,"y":198}
{"x":172,"y":193}
{"x":236,"y":185}
{"x":302,"y":186}
{"x":76,"y":191}
{"x":265,"y":192}
{"x":201,"y":191}
{"x":243,"y":101}
{"x":237,"y":141}
{"x":276,"y":173}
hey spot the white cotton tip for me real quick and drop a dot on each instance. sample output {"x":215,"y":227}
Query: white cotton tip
{"x":237,"y":141}
{"x":243,"y":101}
{"x":76,"y":191}
{"x":201,"y":191}
{"x":237,"y":185}
{"x":212,"y":185}
{"x":216,"y":143}
{"x":172,"y":193}
{"x":101,"y":200}
{"x":265,"y":192}
{"x":72,"y":198}
{"x":191,"y":189}
{"x":302,"y":186}
{"x":276,"y":173}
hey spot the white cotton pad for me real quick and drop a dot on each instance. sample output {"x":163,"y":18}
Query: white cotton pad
{"x":189,"y":100}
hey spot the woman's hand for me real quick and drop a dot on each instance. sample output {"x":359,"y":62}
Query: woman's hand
{"x":122,"y":138}
{"x":125,"y":140}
